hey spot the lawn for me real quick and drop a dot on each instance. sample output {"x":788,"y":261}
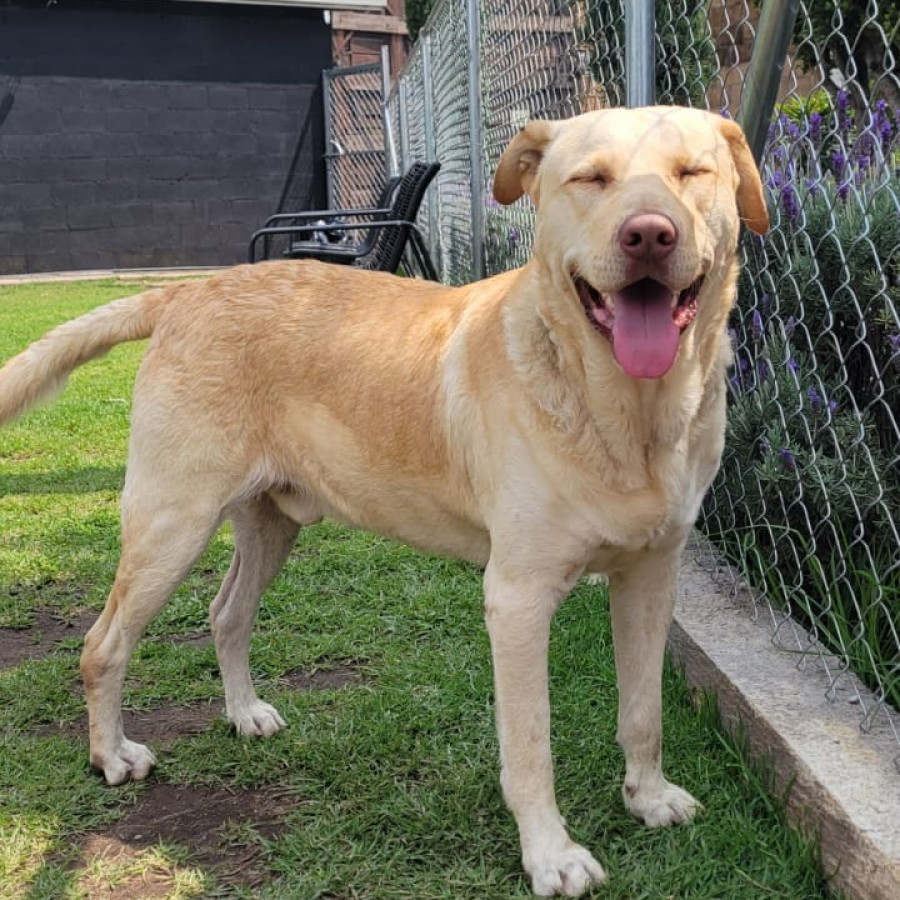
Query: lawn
{"x":384,"y":786}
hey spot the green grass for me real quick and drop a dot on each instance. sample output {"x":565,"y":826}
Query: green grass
{"x":393,"y":779}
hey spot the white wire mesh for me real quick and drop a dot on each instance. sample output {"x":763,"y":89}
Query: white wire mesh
{"x":808,"y":501}
{"x":534,"y":65}
{"x":355,"y":156}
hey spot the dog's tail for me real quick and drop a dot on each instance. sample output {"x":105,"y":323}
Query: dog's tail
{"x":40,"y":372}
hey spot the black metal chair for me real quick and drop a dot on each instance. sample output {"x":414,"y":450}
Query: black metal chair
{"x":387,"y":231}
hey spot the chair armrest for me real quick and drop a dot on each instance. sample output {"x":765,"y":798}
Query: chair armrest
{"x":326,"y":214}
{"x":337,"y":226}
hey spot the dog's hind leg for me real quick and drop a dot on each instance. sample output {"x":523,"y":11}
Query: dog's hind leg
{"x":263,"y":538}
{"x":161,"y":538}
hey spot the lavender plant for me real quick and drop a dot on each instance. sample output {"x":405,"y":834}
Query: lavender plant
{"x":812,"y":473}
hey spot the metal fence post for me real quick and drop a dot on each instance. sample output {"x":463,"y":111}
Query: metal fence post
{"x":428,"y":97}
{"x":391,"y":165}
{"x":773,"y":37}
{"x":328,"y":103}
{"x":476,"y":147}
{"x":403,"y":111}
{"x":640,"y":52}
{"x":430,"y":145}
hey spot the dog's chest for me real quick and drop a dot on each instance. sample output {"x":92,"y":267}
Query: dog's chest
{"x":671,"y":486}
{"x":638,"y":506}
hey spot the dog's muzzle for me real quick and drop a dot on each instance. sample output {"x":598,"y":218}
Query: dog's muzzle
{"x":644,"y":321}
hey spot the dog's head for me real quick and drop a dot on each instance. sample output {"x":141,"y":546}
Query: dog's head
{"x":637,"y":209}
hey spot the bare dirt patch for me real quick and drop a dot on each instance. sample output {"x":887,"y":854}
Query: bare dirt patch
{"x":322,"y":679}
{"x":221,"y":828}
{"x":41,"y":637}
{"x":163,"y":726}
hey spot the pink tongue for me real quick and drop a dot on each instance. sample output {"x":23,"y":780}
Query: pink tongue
{"x":645,"y":337}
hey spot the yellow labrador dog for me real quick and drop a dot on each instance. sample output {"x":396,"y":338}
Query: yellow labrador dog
{"x":564,"y":417}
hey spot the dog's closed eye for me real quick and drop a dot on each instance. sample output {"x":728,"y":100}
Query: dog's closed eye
{"x":598,"y":176}
{"x":685,"y":172}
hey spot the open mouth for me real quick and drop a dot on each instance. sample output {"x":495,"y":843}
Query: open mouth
{"x":644,"y":321}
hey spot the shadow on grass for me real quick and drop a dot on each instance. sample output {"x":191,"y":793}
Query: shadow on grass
{"x":64,"y":481}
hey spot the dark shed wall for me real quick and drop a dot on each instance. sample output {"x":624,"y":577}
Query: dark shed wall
{"x":138,"y":134}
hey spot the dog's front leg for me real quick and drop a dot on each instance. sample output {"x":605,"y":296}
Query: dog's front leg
{"x":642,"y":600}
{"x":518,"y":614}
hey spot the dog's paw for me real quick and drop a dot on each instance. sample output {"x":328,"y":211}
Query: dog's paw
{"x":667,"y":804}
{"x":568,"y":872}
{"x":258,"y":719}
{"x":128,"y":762}
{"x":596,"y":578}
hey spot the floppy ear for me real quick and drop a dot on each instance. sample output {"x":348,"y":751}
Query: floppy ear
{"x":517,"y":171}
{"x":751,"y":202}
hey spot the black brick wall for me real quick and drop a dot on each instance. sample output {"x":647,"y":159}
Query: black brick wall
{"x":138,"y":134}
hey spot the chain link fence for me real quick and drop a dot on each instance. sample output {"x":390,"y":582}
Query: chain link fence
{"x":807,"y":505}
{"x":355,"y":159}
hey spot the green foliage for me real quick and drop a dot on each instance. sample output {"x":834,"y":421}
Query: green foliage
{"x":682,"y":34}
{"x":417,"y":12}
{"x":812,"y":474}
{"x":799,"y":108}
{"x":852,"y":16}
{"x":844,"y":34}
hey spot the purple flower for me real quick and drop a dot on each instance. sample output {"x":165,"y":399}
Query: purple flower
{"x":864,"y":144}
{"x":815,"y":125}
{"x":756,"y":324}
{"x":838,"y":161}
{"x":894,"y":342}
{"x":793,"y":365}
{"x":790,"y":326}
{"x":815,"y":399}
{"x":843,"y":190}
{"x":844,"y":113}
{"x":787,"y":458}
{"x":817,"y":402}
{"x":513,"y":236}
{"x":762,"y":367}
{"x":765,"y":302}
{"x":813,"y":187}
{"x":843,"y":100}
{"x":790,"y":203}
